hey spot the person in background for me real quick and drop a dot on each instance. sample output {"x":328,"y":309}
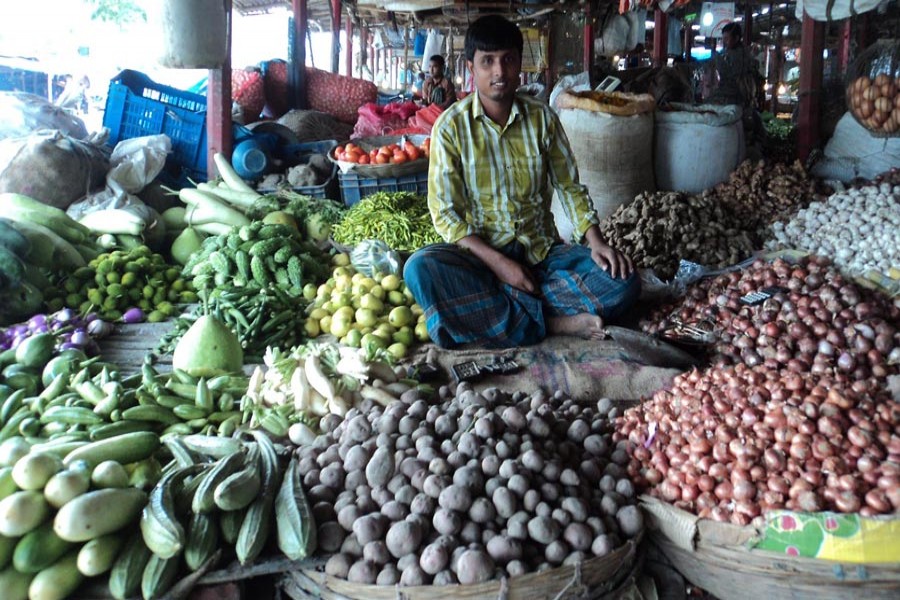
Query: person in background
{"x":737,"y":83}
{"x":503,"y":278}
{"x":438,"y":89}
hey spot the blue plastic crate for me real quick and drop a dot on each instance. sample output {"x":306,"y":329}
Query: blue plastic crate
{"x":137,"y":106}
{"x":299,"y":154}
{"x":354,"y":188}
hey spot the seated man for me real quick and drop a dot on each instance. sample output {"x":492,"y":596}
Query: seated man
{"x":503,"y":278}
{"x":438,"y":89}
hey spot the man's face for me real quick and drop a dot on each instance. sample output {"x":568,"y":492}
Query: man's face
{"x":436,"y":69}
{"x":496,"y":73}
{"x":729,"y":40}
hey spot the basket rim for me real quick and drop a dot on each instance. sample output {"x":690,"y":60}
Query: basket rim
{"x":387,"y":170}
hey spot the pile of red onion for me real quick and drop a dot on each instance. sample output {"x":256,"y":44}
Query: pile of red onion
{"x":732,"y":442}
{"x":823,"y":324}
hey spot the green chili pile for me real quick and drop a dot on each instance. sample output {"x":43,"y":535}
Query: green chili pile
{"x":399,"y":219}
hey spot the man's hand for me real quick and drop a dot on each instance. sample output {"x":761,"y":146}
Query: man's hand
{"x":608,"y":258}
{"x":515,"y":274}
{"x":506,"y":269}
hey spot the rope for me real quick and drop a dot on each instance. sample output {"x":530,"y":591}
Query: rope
{"x":578,"y":588}
{"x":503,"y":594}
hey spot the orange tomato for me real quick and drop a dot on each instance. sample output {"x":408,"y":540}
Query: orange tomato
{"x":382,"y":159}
{"x":338,"y":150}
{"x":399,"y":157}
{"x":364,"y":159}
{"x":394,"y":147}
{"x":353,"y":156}
{"x":412,"y":152}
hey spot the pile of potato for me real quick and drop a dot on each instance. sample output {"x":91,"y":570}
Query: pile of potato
{"x":875,"y":102}
{"x":481,"y":486}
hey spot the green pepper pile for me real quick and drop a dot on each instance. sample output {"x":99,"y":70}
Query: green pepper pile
{"x":399,"y":219}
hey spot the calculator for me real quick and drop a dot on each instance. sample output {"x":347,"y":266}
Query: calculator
{"x":469,"y":370}
{"x":761,"y":295}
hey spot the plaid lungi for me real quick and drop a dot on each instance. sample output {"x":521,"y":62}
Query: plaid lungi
{"x":465,"y":302}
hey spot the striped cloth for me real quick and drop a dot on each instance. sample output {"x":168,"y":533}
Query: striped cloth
{"x":465,"y":302}
{"x":497,"y":181}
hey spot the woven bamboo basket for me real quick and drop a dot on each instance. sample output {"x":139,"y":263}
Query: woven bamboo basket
{"x":608,"y":577}
{"x":715,"y":557}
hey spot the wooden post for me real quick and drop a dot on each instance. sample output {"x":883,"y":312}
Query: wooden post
{"x":748,"y":24}
{"x":812,"y":43}
{"x":777,"y":66}
{"x":390,"y":69}
{"x":844,"y":45}
{"x":660,"y":38}
{"x":548,"y":72}
{"x":335,"y":35}
{"x":864,"y":31}
{"x":365,"y":50}
{"x":405,"y":57}
{"x":297,"y":56}
{"x":348,"y":59}
{"x":588,"y":38}
{"x":218,"y":104}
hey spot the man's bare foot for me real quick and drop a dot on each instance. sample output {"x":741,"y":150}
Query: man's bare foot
{"x":584,"y":325}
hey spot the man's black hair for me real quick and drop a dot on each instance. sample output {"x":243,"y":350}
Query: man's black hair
{"x":437,"y":58}
{"x":734,"y":29}
{"x":492,"y":33}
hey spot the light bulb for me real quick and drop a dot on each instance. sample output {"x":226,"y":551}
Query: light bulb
{"x":782,"y":90}
{"x":458,"y":80}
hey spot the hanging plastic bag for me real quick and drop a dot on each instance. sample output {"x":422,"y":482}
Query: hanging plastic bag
{"x":433,"y":44}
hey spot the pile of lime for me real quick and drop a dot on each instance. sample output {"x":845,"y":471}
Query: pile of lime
{"x":377,"y":312}
{"x":116,"y":281}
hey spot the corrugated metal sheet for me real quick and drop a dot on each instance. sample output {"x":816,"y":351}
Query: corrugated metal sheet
{"x":317,"y":9}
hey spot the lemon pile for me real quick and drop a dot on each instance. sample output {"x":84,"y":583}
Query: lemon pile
{"x":365,"y":312}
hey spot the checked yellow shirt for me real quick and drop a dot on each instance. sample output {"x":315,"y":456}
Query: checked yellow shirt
{"x":497,"y":181}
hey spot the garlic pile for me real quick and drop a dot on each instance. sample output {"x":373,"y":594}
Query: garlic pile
{"x":859,"y":229}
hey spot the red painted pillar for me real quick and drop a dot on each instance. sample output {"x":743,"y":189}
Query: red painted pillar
{"x":812,"y":43}
{"x":864,"y":31}
{"x":218,"y":105}
{"x":588,"y":38}
{"x":297,"y":56}
{"x":748,"y":24}
{"x":844,"y":45}
{"x":335,"y":35}
{"x":348,"y":59}
{"x":660,"y":38}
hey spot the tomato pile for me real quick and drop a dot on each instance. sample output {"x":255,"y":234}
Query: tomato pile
{"x":389,"y":154}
